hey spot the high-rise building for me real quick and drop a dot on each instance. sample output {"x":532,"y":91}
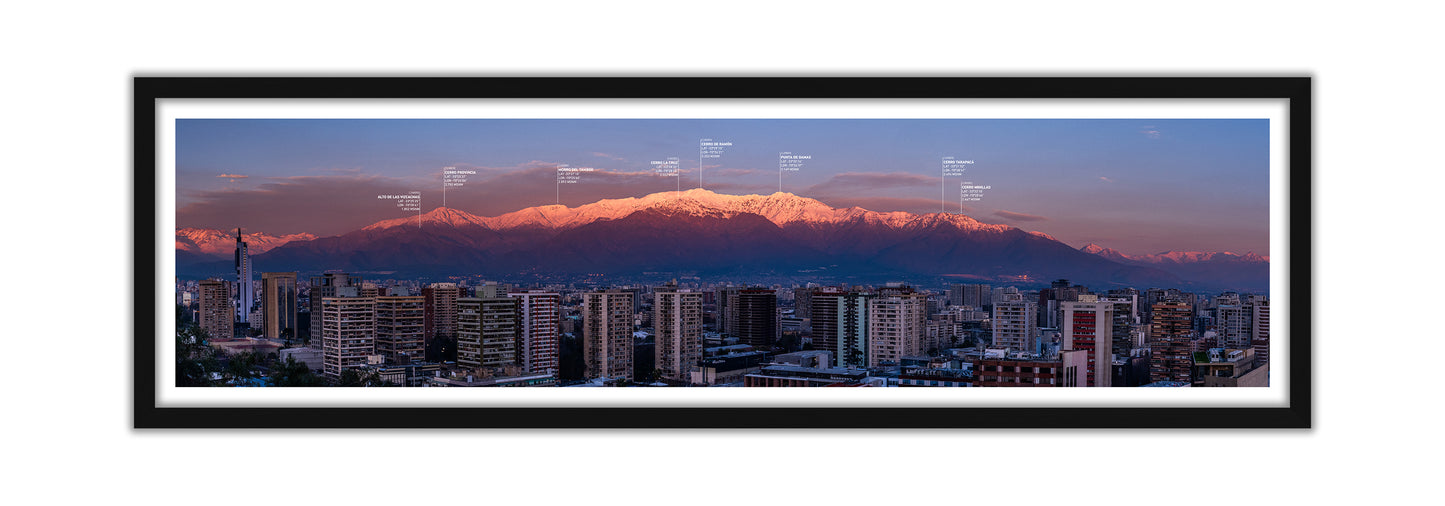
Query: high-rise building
{"x":1087,"y":326}
{"x":537,"y":350}
{"x":399,"y":324}
{"x":1259,"y":306}
{"x":803,"y":302}
{"x":677,"y":318}
{"x":325,"y":286}
{"x":897,"y":323}
{"x":1156,"y":295}
{"x":757,"y":317}
{"x":1006,"y":294}
{"x":975,"y":295}
{"x":1234,"y":323}
{"x":1171,"y":341}
{"x":1015,"y":325}
{"x":727,"y":309}
{"x":487,"y":331}
{"x":823,"y":308}
{"x":245,"y":292}
{"x":607,"y":334}
{"x":217,"y":316}
{"x":1125,"y":321}
{"x":853,"y":329}
{"x":278,"y":304}
{"x":1051,"y":301}
{"x":348,"y":333}
{"x":441,"y":310}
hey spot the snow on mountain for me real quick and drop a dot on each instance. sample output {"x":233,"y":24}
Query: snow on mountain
{"x":440,"y":216}
{"x":780,"y":208}
{"x":1174,"y":257}
{"x":223,"y":243}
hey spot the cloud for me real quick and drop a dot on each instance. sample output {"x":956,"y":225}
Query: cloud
{"x":600,"y":154}
{"x":1012,"y":216}
{"x":1105,"y":179}
{"x":848,"y":182}
{"x":233,"y":177}
{"x":1150,"y":132}
{"x":322,"y":205}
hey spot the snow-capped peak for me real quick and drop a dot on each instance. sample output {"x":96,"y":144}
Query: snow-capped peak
{"x":439,"y":216}
{"x":1178,"y":257}
{"x":781,"y":208}
{"x":223,"y":242}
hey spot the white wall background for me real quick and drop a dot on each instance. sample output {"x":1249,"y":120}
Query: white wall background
{"x":66,"y":146}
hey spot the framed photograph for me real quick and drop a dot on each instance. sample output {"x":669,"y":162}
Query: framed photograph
{"x":722,"y":252}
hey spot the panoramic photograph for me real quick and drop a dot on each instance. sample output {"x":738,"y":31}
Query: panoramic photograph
{"x":893,"y":253}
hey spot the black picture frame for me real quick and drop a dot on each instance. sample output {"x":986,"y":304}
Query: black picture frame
{"x":148,"y":90}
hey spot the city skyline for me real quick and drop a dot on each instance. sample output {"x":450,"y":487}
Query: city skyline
{"x":1137,"y":186}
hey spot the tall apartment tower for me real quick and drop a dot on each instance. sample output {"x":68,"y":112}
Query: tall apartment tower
{"x":757,"y":317}
{"x":217,"y":315}
{"x":803,"y":302}
{"x":1088,"y":327}
{"x":488,"y":329}
{"x":978,"y":296}
{"x":1015,"y":325}
{"x":537,"y":349}
{"x":974,"y":295}
{"x":440,"y":301}
{"x":278,"y":304}
{"x":1260,"y":310}
{"x":727,"y":309}
{"x":853,"y":326}
{"x":955,"y":294}
{"x":897,"y":323}
{"x":1234,"y":323}
{"x":324,"y":286}
{"x":348,"y":333}
{"x":823,"y":308}
{"x":399,"y":324}
{"x":1125,"y":321}
{"x":1170,"y":341}
{"x":677,"y":318}
{"x":245,"y":292}
{"x":607,"y":334}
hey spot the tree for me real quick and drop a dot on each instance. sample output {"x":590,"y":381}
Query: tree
{"x":291,"y":373}
{"x":195,"y":361}
{"x":352,"y":378}
{"x":241,"y":367}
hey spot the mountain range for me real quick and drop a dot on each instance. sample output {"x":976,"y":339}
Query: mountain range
{"x":699,"y":232}
{"x":1248,"y":272}
{"x":218,"y":243}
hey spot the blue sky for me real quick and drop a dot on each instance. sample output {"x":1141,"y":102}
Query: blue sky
{"x":1137,"y":185}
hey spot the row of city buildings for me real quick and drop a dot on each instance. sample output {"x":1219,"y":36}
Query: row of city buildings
{"x":895,"y":334}
{"x":898,"y":331}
